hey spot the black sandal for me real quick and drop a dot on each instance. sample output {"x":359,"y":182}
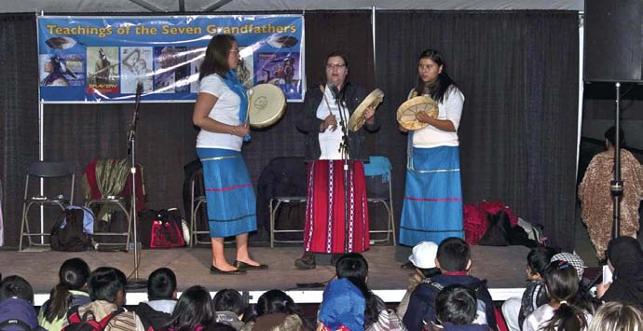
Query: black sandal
{"x":216,"y":271}
{"x":242,"y":266}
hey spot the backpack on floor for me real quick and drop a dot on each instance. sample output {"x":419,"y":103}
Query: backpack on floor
{"x":88,"y":322}
{"x":69,"y":233}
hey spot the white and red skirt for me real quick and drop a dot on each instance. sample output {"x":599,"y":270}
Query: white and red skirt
{"x":325,"y":230}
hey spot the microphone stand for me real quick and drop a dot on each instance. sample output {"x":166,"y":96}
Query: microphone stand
{"x":135,"y":282}
{"x":344,"y":151}
{"x":616,"y":185}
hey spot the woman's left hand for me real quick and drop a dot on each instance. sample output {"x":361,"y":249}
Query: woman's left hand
{"x":423,"y":117}
{"x":369,"y":112}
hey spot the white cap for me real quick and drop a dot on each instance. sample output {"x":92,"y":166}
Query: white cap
{"x":424,"y":254}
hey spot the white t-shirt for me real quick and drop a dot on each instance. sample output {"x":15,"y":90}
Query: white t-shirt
{"x":541,"y":317}
{"x":329,"y":140}
{"x":449,"y":109}
{"x":225,"y":110}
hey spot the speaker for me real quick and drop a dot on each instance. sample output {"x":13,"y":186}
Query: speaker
{"x":613,"y":43}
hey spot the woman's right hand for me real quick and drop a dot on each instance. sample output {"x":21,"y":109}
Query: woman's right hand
{"x":240,"y":130}
{"x":330,"y":122}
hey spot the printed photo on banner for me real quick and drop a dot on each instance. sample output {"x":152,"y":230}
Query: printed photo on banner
{"x":171,"y":69}
{"x":245,"y":68}
{"x":102,"y":69}
{"x":60,"y":69}
{"x":197,"y":54}
{"x":136,"y":66}
{"x":281,"y":69}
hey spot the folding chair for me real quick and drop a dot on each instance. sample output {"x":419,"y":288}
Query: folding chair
{"x":288,"y":176}
{"x":380,"y":191}
{"x":49,"y":172}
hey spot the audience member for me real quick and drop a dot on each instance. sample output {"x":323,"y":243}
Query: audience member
{"x":161,"y":295}
{"x":276,"y":311}
{"x":454,"y":261}
{"x":515,"y":310}
{"x":563,"y":312}
{"x":625,"y":259}
{"x":193,"y":311}
{"x":422,"y":261}
{"x":16,"y":305}
{"x":71,"y":291}
{"x":455,"y":310}
{"x":616,"y":316}
{"x":349,"y":302}
{"x":107,"y":291}
{"x":228,"y":308}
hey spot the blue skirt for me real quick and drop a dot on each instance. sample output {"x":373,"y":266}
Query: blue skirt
{"x":230,"y":197}
{"x":432,"y":209}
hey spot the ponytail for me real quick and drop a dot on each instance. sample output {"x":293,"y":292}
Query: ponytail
{"x":568,"y":317}
{"x":59,"y":303}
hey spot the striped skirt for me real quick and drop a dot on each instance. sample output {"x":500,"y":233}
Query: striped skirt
{"x":325,"y":230}
{"x":228,"y":190}
{"x":432,"y":209}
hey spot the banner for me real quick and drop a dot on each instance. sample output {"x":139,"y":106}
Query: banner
{"x":90,"y":59}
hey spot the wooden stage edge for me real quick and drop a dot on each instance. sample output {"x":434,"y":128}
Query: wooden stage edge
{"x":503,"y":267}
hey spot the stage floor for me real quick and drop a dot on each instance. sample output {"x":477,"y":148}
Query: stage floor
{"x":503,"y":267}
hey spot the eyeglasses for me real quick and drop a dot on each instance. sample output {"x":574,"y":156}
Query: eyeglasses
{"x":335,"y":66}
{"x":234,"y":50}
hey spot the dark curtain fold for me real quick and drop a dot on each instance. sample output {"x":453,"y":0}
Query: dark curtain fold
{"x":18,"y":113}
{"x":518,"y":71}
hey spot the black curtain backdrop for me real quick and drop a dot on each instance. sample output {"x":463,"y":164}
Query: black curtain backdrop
{"x":518,"y":71}
{"x":18,"y":113}
{"x":518,"y":133}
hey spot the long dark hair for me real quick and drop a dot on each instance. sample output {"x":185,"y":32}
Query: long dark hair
{"x":276,"y":301}
{"x":353,"y":266}
{"x":562,"y":285}
{"x":73,"y":275}
{"x":438,"y":89}
{"x":193,"y":308}
{"x":216,"y":56}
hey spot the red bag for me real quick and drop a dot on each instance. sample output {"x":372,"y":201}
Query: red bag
{"x":475,"y":223}
{"x":161,"y":229}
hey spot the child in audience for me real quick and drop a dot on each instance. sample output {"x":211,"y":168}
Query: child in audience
{"x":348,"y":301}
{"x":16,"y":305}
{"x":106,"y":287}
{"x":276,"y":311}
{"x":455,"y":310}
{"x":71,"y":291}
{"x":563,"y":312}
{"x":625,"y":259}
{"x":229,"y":308}
{"x":422,"y":261}
{"x":616,"y":316}
{"x":161,"y":293}
{"x":515,"y":310}
{"x":454,"y":261}
{"x":193,"y":311}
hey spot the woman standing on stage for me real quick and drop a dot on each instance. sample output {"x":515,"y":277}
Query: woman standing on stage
{"x":432,"y":209}
{"x":326,"y":230}
{"x":221,"y":113}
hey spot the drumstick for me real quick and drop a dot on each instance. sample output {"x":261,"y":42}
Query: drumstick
{"x":250,"y":91}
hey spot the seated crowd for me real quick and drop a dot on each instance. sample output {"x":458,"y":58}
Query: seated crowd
{"x":442,"y":295}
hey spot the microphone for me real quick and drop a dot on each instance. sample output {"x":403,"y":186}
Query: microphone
{"x":334,"y":90}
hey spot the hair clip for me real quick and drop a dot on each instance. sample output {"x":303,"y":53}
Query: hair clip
{"x":562,"y":264}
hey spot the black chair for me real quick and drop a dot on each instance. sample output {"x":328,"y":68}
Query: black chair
{"x":46,"y":171}
{"x":110,"y":203}
{"x":282,"y":182}
{"x":198,"y":205}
